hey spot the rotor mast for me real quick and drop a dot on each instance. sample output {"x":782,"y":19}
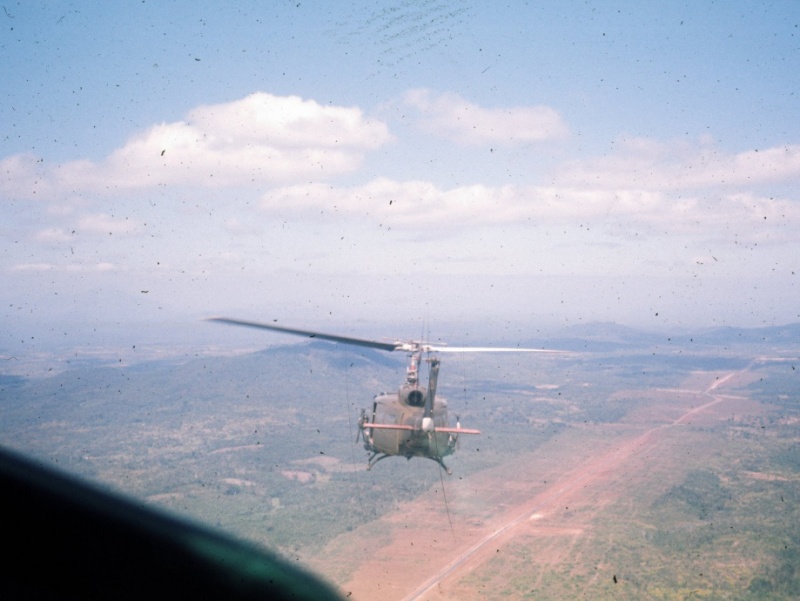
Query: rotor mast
{"x":412,"y":371}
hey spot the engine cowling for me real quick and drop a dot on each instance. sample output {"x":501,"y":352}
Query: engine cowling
{"x":412,"y":396}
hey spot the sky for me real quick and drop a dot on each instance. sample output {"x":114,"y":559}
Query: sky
{"x":501,"y":166}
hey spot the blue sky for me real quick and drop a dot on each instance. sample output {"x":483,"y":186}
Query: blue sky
{"x":537,"y":164}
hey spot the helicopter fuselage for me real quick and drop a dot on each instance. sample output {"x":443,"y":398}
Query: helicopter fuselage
{"x":413,"y":438}
{"x":411,"y":422}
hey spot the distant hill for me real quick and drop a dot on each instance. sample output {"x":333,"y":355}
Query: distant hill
{"x":724,"y":336}
{"x":601,"y":337}
{"x":609,"y":337}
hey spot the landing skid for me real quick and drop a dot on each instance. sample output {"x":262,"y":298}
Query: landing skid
{"x":375,"y":458}
{"x":372,"y":461}
{"x":444,"y":467}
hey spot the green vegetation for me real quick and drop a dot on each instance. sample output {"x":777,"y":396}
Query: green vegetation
{"x":720,"y":533}
{"x":701,"y":494}
{"x":262,"y":445}
{"x":719,"y":520}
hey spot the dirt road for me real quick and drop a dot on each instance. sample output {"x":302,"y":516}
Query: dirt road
{"x":552,"y":495}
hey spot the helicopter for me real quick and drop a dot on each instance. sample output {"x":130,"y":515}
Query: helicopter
{"x":413,"y":421}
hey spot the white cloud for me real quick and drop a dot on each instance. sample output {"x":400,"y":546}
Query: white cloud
{"x":259,"y":139}
{"x":453,"y":117}
{"x":237,"y":227}
{"x":25,"y":176}
{"x":70,"y":268}
{"x":644,"y":163}
{"x":98,"y":224}
{"x":106,"y":224}
{"x":418,"y":203}
{"x":33,"y":267}
{"x":267,"y":140}
{"x":53,"y":234}
{"x":423,"y":205}
{"x":288,"y":122}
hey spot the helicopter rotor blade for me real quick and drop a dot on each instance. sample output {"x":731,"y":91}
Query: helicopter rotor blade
{"x":487,"y":349}
{"x":411,"y":346}
{"x":384,"y":346}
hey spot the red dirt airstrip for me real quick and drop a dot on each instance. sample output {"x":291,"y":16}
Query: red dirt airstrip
{"x":552,"y":495}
